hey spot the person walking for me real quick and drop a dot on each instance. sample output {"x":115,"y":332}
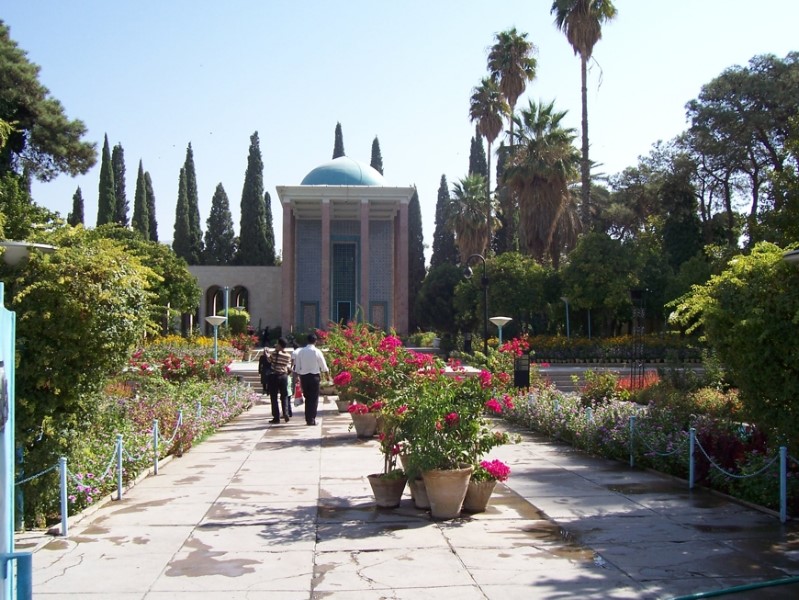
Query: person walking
{"x":310,"y":364}
{"x":280,"y":359}
{"x":265,"y":371}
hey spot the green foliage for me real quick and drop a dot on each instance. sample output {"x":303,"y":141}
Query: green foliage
{"x":120,"y":195}
{"x":599,"y":387}
{"x":444,"y":249}
{"x":237,"y":320}
{"x":39,"y":138}
{"x":20,"y":217}
{"x":220,"y":239}
{"x":75,"y":217}
{"x":253,"y":247}
{"x":377,"y":158}
{"x":193,"y":205}
{"x":434,"y":308}
{"x":416,"y":270}
{"x":338,"y":144}
{"x":746,"y":313}
{"x":106,"y":203}
{"x":148,"y":188}
{"x":477,"y":156}
{"x":181,"y":242}
{"x":141,"y":219}
{"x":80,"y":310}
{"x":171,"y":281}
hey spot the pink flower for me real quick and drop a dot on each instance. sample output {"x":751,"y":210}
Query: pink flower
{"x":342,"y":378}
{"x":358,"y":408}
{"x":494,"y":406}
{"x":507,"y":401}
{"x":452,"y":419}
{"x":485,"y":379}
{"x":497,"y":469}
{"x":401,"y":410}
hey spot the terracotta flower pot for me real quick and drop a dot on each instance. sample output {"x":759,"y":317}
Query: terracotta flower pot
{"x":387,"y":490}
{"x":419,"y":494}
{"x":477,"y":495}
{"x":365,"y":424}
{"x":446,"y":490}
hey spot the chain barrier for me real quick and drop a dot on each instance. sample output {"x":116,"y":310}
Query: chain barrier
{"x":117,"y":456}
{"x":736,"y":475}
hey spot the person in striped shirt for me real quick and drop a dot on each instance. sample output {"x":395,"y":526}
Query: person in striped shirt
{"x":280,"y":359}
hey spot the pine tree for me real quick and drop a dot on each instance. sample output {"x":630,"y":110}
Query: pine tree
{"x":506,"y":238}
{"x":252,"y":238}
{"x":416,"y":271}
{"x":106,"y":203}
{"x":478,"y":165}
{"x":181,"y":243}
{"x":153,"y":222}
{"x":76,"y":216}
{"x":195,"y":232}
{"x":120,"y":197}
{"x":270,"y":230}
{"x":377,"y":157}
{"x":338,"y":145}
{"x":444,"y":249}
{"x":140,"y":221}
{"x":220,"y":239}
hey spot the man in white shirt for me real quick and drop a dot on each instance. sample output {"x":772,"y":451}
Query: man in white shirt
{"x":310,"y":364}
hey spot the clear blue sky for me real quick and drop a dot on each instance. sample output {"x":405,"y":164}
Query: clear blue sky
{"x":155,"y":75}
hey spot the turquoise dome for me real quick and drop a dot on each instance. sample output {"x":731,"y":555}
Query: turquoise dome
{"x":343,"y":171}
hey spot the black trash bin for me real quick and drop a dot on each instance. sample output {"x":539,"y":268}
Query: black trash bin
{"x":521,"y":371}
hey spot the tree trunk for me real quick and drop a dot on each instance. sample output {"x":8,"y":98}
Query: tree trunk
{"x":584,"y":164}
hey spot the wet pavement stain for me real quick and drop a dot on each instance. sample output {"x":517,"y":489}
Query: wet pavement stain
{"x":647,"y":488}
{"x":202,"y":562}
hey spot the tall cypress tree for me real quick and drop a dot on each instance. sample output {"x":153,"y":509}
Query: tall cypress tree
{"x":140,"y":221}
{"x":181,"y":242}
{"x":416,"y":270}
{"x":377,"y":157}
{"x":271,"y":252}
{"x":478,"y":164}
{"x":252,"y":238}
{"x":195,"y":232}
{"x":444,"y":249}
{"x":76,"y":216}
{"x":338,"y":145}
{"x":220,"y":239}
{"x":121,"y":205}
{"x":153,"y":222}
{"x":106,"y":202}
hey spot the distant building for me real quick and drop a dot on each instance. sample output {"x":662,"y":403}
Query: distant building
{"x":345,"y":256}
{"x":345,"y":248}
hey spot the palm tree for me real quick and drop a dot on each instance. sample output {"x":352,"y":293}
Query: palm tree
{"x":511,"y":64}
{"x":487,"y":107}
{"x":467,"y":216}
{"x":581,"y":21}
{"x":539,"y":172}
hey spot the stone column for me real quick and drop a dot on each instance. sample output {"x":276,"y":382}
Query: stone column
{"x":364,"y":299}
{"x":401,"y":269}
{"x":324,"y":304}
{"x":287,"y":276}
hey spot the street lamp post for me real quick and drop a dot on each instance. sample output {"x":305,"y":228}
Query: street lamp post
{"x":568,"y":330}
{"x":467,"y":273}
{"x":216,"y":321}
{"x":500,"y":322}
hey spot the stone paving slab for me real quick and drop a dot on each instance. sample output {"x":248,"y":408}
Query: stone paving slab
{"x":286,"y":512}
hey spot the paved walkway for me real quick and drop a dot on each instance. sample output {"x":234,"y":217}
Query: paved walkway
{"x":285,"y":512}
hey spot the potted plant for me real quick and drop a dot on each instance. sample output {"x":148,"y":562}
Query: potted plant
{"x":445,"y":431}
{"x":389,"y":485}
{"x":482,"y":483}
{"x":364,"y":417}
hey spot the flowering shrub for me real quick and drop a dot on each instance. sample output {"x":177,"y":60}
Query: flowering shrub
{"x":366,"y":363}
{"x":493,"y":470}
{"x":179,"y":363}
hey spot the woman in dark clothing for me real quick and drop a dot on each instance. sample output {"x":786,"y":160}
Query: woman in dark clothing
{"x":264,"y":370}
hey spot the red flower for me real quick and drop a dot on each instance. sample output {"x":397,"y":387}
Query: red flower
{"x":342,"y":378}
{"x":494,"y":406}
{"x":485,"y":379}
{"x":358,"y":408}
{"x":452,"y":419}
{"x":497,"y":469}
